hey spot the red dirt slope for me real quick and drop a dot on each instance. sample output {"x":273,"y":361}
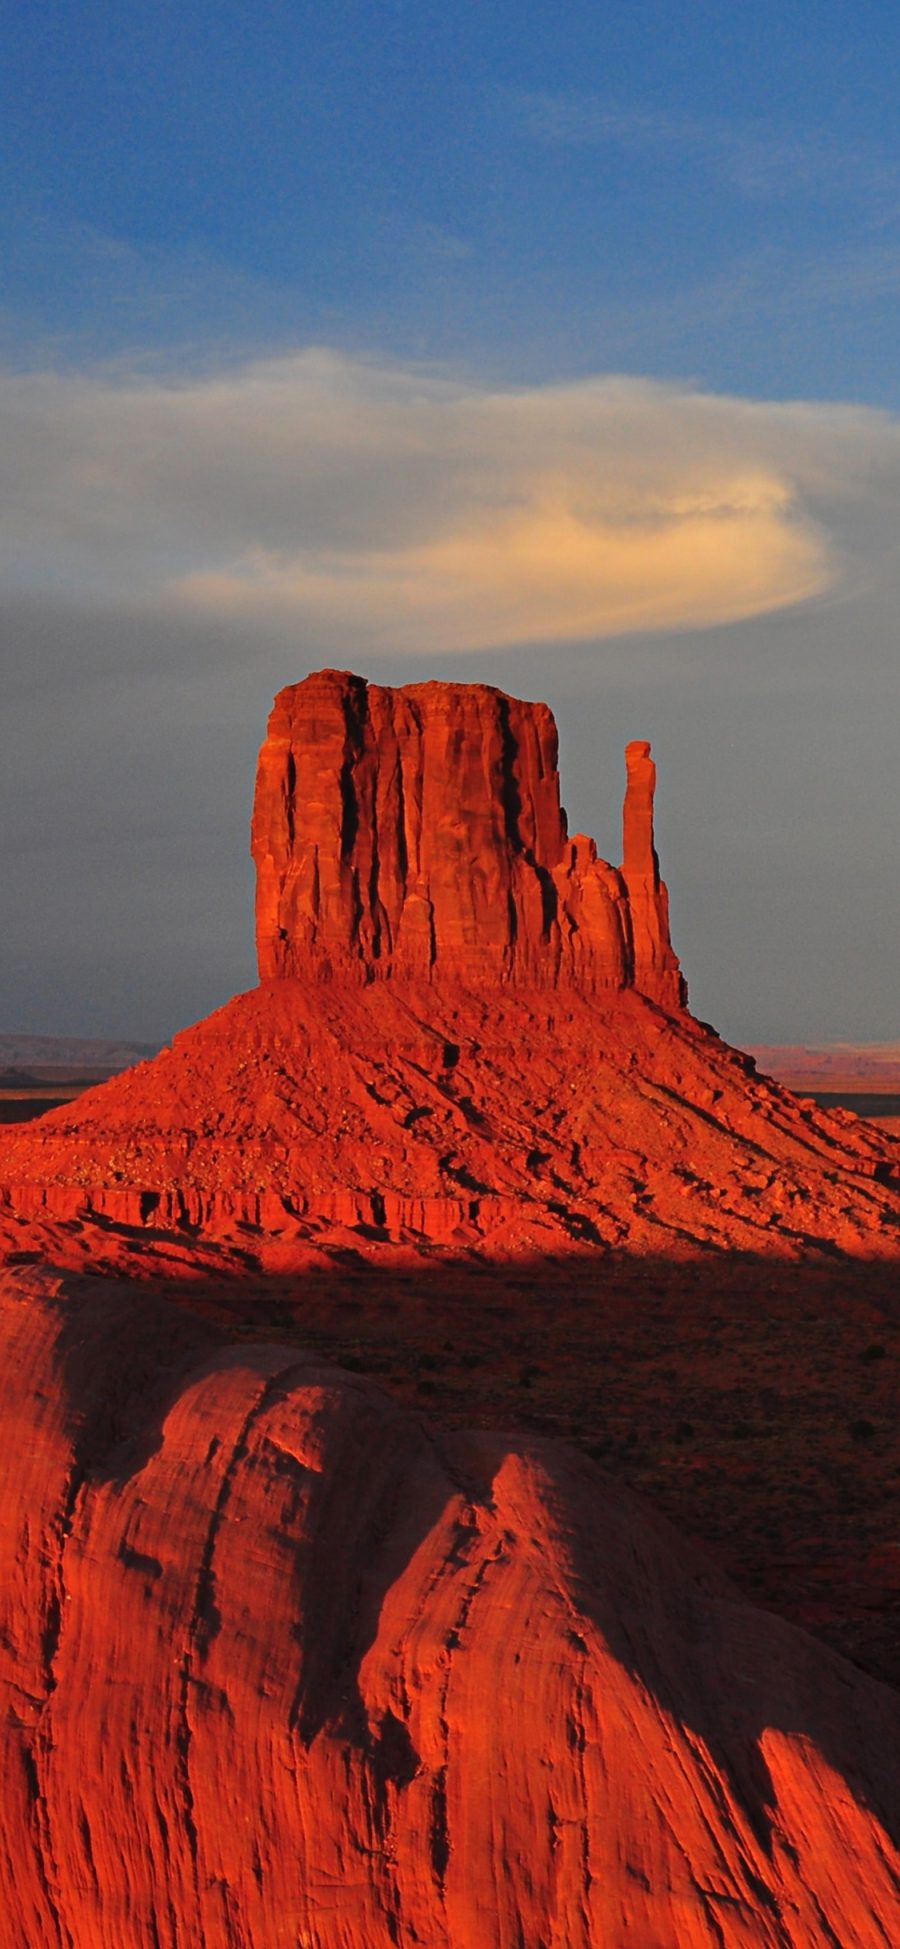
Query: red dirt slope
{"x":401,"y":1117}
{"x":282,"y":1668}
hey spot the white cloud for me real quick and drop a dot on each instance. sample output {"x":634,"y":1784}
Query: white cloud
{"x":425,"y":513}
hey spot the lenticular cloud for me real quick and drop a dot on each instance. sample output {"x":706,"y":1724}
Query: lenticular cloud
{"x":423,"y":513}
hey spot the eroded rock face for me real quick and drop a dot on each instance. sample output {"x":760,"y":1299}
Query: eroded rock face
{"x":419,"y":831}
{"x":280,"y":1667}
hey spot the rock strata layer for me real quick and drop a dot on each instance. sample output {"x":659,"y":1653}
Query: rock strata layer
{"x":280,"y":1667}
{"x":419,"y":831}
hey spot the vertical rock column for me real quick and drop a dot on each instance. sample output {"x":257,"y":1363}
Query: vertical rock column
{"x":655,"y":968}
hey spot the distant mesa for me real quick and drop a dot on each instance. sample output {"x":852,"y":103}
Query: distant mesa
{"x":419,"y":832}
{"x":60,"y":1054}
{"x":852,"y":1065}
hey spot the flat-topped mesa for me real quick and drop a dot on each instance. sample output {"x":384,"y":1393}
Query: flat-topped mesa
{"x":418,"y":831}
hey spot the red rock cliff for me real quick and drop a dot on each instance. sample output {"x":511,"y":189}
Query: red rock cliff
{"x":419,"y":830}
{"x":281,"y":1668}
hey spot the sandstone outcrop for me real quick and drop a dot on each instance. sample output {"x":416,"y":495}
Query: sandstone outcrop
{"x":527,"y":1080}
{"x":419,"y":832}
{"x":281,"y":1667}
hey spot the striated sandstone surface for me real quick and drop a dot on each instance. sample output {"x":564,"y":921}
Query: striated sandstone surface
{"x":419,"y":831}
{"x":280,"y":1667}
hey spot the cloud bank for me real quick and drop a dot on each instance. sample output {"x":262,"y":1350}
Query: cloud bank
{"x":422,"y":513}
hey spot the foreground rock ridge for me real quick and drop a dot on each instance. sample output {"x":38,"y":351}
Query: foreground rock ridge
{"x":419,"y":831}
{"x":282,"y":1667}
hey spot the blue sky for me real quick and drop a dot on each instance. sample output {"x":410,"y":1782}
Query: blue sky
{"x":552,"y":345}
{"x":706,"y":190}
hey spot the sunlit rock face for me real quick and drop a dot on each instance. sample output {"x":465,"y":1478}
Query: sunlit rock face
{"x":470,"y":1032}
{"x":280,"y":1666}
{"x":419,"y":832}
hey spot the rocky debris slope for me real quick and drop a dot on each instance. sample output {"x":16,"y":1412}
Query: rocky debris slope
{"x":419,"y":831}
{"x":306,"y":1118}
{"x":281,"y":1667}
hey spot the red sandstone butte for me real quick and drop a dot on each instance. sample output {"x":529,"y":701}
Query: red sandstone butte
{"x":419,"y":831}
{"x":470,"y":1033}
{"x":280,"y":1667}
